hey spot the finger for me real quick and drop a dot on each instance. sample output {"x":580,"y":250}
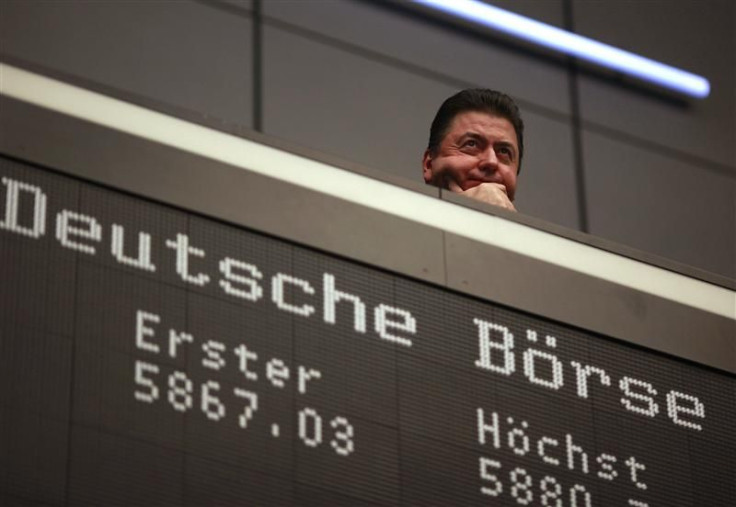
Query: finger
{"x":453,"y":186}
{"x":492,"y":193}
{"x":497,"y":186}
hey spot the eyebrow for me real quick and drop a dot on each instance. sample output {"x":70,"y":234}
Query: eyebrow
{"x":507,"y":144}
{"x":473,"y":135}
{"x":476,"y":135}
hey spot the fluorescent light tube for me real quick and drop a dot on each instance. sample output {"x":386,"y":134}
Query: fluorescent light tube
{"x":575,"y":45}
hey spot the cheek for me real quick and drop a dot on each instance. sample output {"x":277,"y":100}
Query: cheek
{"x":459,"y":166}
{"x":510,"y":182}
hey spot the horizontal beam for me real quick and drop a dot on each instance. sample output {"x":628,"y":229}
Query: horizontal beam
{"x":342,"y":184}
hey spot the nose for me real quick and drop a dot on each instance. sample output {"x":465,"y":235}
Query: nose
{"x":489,"y":161}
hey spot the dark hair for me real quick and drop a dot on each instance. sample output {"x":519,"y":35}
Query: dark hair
{"x":476,"y":99}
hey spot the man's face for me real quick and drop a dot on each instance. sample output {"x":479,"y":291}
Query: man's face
{"x":478,"y":148}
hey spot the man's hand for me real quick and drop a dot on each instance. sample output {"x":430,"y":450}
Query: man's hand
{"x":491,"y":193}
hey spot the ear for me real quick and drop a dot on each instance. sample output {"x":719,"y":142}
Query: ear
{"x":427,"y":166}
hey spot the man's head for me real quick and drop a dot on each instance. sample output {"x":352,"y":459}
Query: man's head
{"x":475,"y":138}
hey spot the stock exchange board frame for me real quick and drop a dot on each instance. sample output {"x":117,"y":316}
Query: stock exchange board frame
{"x":513,"y":359}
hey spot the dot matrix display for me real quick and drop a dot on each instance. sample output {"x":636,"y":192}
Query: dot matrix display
{"x":149,"y":356}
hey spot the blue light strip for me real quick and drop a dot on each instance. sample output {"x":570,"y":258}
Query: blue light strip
{"x":575,"y":45}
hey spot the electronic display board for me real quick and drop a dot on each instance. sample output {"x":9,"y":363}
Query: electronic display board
{"x":153,"y":356}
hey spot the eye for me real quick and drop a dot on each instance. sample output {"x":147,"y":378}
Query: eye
{"x":506,"y":151}
{"x":470,"y":143}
